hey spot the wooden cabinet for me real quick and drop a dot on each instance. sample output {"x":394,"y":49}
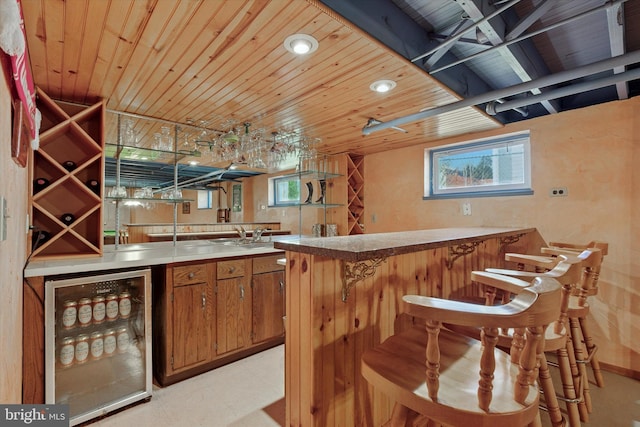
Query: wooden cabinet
{"x":67,"y":171}
{"x":268,"y":292}
{"x":212,"y":312}
{"x":193,"y":309}
{"x":233,"y":303}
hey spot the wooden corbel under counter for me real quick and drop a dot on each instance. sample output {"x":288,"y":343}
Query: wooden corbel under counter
{"x":344,"y":296}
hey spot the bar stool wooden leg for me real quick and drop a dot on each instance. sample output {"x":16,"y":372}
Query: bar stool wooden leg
{"x":569,"y":391}
{"x":551,"y":401}
{"x":577,"y":379}
{"x":585,"y":405}
{"x":591,"y":349}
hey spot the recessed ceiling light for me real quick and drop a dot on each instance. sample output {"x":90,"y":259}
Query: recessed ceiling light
{"x":301,"y":44}
{"x":382,"y":86}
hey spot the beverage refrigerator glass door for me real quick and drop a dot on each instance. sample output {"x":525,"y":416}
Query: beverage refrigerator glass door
{"x":98,"y":342}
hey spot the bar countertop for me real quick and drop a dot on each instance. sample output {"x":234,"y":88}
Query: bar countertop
{"x":137,"y":255}
{"x":368,"y":246}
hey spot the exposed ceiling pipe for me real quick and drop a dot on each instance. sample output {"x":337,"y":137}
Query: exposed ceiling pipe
{"x":561,"y":77}
{"x":494,"y":108}
{"x":523,"y":113}
{"x":607,"y":5}
{"x":462,"y":32}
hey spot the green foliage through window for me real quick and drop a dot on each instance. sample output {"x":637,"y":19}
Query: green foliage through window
{"x":286,"y":191}
{"x":499,"y":166}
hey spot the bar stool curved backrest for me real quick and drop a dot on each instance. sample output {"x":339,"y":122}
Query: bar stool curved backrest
{"x":577,"y":287}
{"x":430,"y":371}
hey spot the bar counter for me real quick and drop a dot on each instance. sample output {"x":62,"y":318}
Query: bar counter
{"x":344,"y":296}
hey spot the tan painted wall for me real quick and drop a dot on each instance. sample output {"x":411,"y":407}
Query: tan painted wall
{"x":595,"y":153}
{"x":13,"y":187}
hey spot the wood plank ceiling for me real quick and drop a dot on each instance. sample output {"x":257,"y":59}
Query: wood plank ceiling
{"x":211,"y":59}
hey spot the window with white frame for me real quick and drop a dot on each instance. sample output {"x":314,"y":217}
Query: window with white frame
{"x":498,"y":166}
{"x":284,"y":191}
{"x":204,"y":199}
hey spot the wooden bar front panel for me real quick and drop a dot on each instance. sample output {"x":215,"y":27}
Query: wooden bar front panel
{"x":326,"y":337}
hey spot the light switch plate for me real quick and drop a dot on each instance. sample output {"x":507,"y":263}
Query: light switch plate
{"x":3,"y":219}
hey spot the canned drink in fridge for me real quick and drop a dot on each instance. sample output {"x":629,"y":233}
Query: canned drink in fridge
{"x":124,"y":304}
{"x":98,"y":309}
{"x":96,"y":345}
{"x":67,"y":351}
{"x":82,"y":348}
{"x":110,"y":343}
{"x":111,"y":307}
{"x":69,"y":314}
{"x":122,"y":339}
{"x":85,"y":312}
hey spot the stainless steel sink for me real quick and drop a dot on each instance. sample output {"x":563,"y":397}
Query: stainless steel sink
{"x":247,"y":243}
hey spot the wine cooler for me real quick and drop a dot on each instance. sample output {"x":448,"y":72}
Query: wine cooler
{"x":98,"y":342}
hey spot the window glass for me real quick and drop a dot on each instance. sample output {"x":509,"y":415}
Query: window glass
{"x":204,"y":199}
{"x":491,"y":167}
{"x":286,"y":191}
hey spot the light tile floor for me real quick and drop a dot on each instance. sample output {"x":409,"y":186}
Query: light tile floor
{"x":247,"y":393}
{"x":250,"y":393}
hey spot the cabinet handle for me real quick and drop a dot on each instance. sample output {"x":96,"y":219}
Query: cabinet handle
{"x":241,"y":292}
{"x":232,"y":269}
{"x":281,"y":286}
{"x":192,"y":275}
{"x":204,"y":300}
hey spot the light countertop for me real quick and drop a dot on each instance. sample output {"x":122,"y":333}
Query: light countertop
{"x":138,"y":255}
{"x":368,"y":246}
{"x":350,"y":248}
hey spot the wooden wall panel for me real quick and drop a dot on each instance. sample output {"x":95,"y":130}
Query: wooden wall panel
{"x":13,"y":250}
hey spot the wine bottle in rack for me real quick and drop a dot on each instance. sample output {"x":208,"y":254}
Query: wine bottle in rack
{"x":67,"y":218}
{"x":40,"y":184}
{"x":94,"y":185}
{"x":69,"y":165}
{"x":38,"y":237}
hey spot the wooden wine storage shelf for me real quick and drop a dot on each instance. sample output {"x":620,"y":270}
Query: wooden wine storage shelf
{"x":67,"y":172}
{"x":355,"y":193}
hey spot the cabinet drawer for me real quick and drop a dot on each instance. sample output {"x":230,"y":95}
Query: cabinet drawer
{"x":266,"y":264}
{"x":189,"y":274}
{"x":228,"y":269}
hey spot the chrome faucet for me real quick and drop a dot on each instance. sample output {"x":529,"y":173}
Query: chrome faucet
{"x":257,"y":234}
{"x":242,"y":233}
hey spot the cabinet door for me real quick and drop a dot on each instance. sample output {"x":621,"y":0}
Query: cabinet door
{"x":192,"y":319}
{"x":268,"y":306}
{"x":233,"y":323}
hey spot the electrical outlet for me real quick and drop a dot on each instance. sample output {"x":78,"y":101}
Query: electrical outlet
{"x":558,"y":192}
{"x":466,"y":209}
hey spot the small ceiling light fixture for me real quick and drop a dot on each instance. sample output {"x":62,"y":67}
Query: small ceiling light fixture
{"x":382,"y":86}
{"x":301,"y":44}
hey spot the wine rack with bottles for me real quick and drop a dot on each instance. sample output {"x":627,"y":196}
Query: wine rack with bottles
{"x":355,"y":196}
{"x":67,"y":171}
